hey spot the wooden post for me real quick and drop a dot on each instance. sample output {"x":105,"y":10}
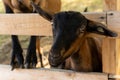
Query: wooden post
{"x":118,"y":5}
{"x":111,"y":57}
{"x":111,"y":46}
{"x":110,"y":5}
{"x":110,"y":50}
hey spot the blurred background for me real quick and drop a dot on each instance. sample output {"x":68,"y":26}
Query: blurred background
{"x":74,"y":5}
{"x":80,"y":5}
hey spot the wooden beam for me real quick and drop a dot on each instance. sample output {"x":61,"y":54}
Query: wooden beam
{"x":24,"y":24}
{"x":96,"y":16}
{"x":33,"y":24}
{"x":111,"y":55}
{"x":113,"y":21}
{"x":111,"y":47}
{"x":114,"y":77}
{"x":47,"y":74}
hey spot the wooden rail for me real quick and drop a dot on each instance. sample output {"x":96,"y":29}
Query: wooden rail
{"x":33,"y":24}
{"x":47,"y":74}
{"x":51,"y":74}
{"x":24,"y":24}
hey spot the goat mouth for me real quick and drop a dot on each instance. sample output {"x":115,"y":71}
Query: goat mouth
{"x":55,"y":61}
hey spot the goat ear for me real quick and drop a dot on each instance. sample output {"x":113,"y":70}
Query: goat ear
{"x":99,"y":28}
{"x":41,"y":12}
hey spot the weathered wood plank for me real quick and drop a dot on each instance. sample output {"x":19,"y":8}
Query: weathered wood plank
{"x":24,"y":24}
{"x":96,"y":16}
{"x":114,"y":77}
{"x":113,"y":21}
{"x":47,"y":74}
{"x":118,"y":5}
{"x":33,"y":24}
{"x":111,"y":47}
{"x":111,"y":55}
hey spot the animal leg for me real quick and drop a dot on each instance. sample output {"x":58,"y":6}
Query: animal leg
{"x":39,"y":51}
{"x":31,"y":58}
{"x":17,"y":60}
{"x":16,"y":56}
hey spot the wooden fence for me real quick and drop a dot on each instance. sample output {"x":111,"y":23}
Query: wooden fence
{"x":33,"y":24}
{"x":47,"y":74}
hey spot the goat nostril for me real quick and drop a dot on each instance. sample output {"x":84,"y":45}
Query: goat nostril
{"x":56,"y":55}
{"x":54,"y":58}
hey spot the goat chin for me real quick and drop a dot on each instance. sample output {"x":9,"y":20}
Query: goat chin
{"x":61,"y":66}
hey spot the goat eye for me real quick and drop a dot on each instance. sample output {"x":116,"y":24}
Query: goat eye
{"x":100,"y":29}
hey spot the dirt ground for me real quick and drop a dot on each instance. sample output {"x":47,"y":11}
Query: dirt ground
{"x":5,"y":50}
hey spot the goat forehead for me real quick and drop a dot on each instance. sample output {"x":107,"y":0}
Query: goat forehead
{"x":69,"y":20}
{"x":69,"y":16}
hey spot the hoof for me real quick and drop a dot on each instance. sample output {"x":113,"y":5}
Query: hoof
{"x":16,"y":65}
{"x":30,"y":66}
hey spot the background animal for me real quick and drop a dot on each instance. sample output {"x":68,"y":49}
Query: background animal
{"x":74,"y":46}
{"x":24,"y":6}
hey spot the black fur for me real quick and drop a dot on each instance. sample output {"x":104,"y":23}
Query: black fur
{"x":17,"y":60}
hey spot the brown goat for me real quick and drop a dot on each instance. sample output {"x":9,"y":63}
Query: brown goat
{"x":74,"y":45}
{"x":24,"y":6}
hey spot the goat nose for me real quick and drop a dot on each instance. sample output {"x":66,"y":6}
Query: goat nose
{"x":54,"y":54}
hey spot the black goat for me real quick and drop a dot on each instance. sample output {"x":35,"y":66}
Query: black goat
{"x":74,"y":46}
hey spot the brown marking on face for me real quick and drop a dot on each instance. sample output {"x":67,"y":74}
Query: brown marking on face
{"x":81,"y":61}
{"x":86,"y":58}
{"x":75,"y":46}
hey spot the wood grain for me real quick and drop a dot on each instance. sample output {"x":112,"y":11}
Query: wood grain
{"x":109,"y":55}
{"x":24,"y":24}
{"x":110,"y":5}
{"x":47,"y":74}
{"x":96,"y":16}
{"x":33,"y":24}
{"x":113,"y":20}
